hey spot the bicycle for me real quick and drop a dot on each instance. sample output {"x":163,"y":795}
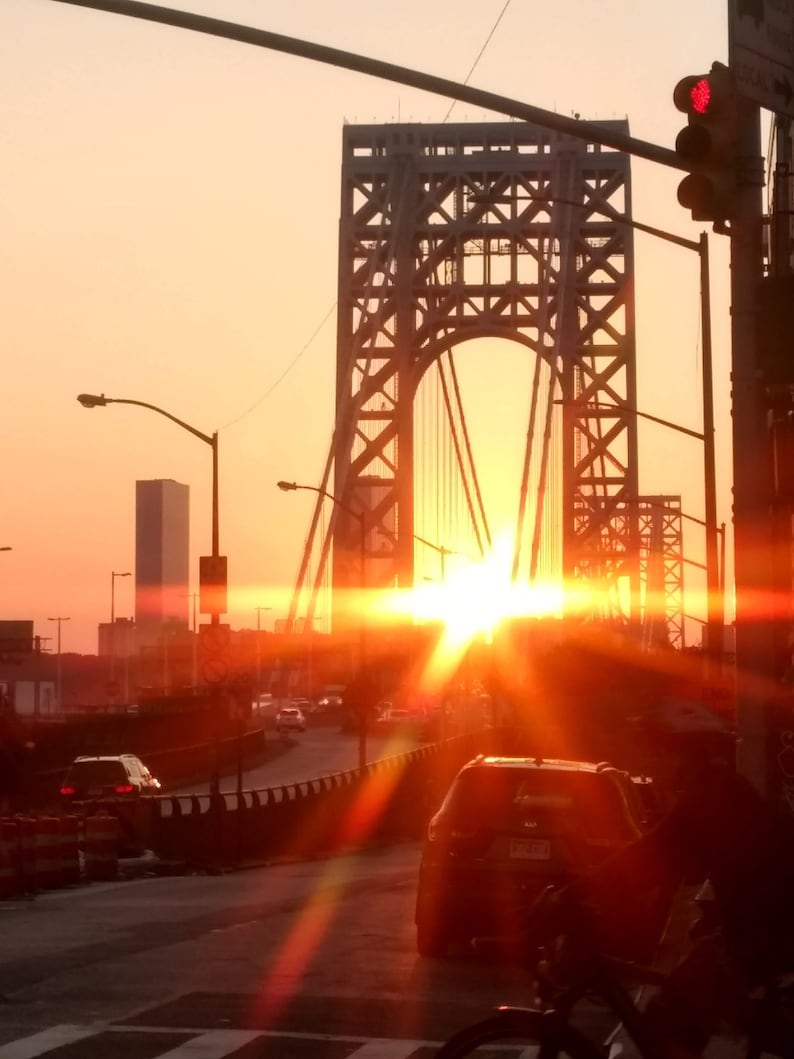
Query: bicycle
{"x":574,"y":968}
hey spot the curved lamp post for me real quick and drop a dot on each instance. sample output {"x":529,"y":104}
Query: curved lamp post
{"x":715,"y":603}
{"x":91,"y":400}
{"x":443,"y":552}
{"x":289,"y":487}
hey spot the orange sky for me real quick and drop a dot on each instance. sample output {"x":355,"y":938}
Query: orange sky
{"x":169,"y":216}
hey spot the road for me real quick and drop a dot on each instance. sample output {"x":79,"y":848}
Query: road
{"x":319,"y":751}
{"x":291,"y":961}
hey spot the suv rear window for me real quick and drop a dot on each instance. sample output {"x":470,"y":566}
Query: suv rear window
{"x":97,"y":773}
{"x":587,"y":801}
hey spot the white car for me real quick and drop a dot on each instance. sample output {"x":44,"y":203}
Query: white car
{"x":291,"y":719}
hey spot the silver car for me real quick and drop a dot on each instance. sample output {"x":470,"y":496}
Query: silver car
{"x":291,"y":719}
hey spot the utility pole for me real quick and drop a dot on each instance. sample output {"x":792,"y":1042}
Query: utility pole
{"x":751,"y":486}
{"x":193,"y":596}
{"x":60,"y":621}
{"x":258,"y":647}
{"x":37,"y":642}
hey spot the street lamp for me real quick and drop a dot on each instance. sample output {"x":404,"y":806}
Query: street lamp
{"x":715,"y":553}
{"x":58,"y":660}
{"x":90,"y":400}
{"x":215,"y":579}
{"x":715,"y":604}
{"x":443,"y":553}
{"x":289,"y":487}
{"x":113,"y":576}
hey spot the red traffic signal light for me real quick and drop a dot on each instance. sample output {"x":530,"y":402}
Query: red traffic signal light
{"x":694,"y":94}
{"x":708,"y":143}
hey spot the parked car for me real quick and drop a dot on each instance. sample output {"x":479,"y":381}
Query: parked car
{"x":508,"y":828}
{"x":291,"y":719}
{"x":108,"y":777}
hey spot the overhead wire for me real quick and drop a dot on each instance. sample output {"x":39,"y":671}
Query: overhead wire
{"x":480,"y":54}
{"x":277,"y":382}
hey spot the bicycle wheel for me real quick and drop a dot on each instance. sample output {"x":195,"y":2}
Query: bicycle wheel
{"x":519,"y":1034}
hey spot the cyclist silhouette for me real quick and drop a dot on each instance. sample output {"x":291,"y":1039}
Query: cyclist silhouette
{"x":717,"y":827}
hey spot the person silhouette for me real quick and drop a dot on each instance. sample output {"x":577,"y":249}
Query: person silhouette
{"x":719,"y":828}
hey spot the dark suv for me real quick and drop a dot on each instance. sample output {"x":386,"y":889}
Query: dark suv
{"x":108,"y":777}
{"x":509,"y":827}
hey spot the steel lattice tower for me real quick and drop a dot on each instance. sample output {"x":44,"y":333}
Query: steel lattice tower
{"x":451,"y":232}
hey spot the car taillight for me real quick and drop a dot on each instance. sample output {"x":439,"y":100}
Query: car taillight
{"x":124,"y":788}
{"x":443,"y":829}
{"x":66,"y":790}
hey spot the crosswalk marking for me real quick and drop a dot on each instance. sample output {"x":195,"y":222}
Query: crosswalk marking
{"x":208,"y":1044}
{"x":46,"y":1040}
{"x":212,"y":1044}
{"x":388,"y":1049}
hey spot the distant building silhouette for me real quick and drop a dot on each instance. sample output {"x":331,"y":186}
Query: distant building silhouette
{"x":162,"y":557}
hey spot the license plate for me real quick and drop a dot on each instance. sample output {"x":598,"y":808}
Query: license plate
{"x":94,"y":792}
{"x":530,"y":848}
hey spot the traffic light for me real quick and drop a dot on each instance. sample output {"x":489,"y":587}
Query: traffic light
{"x":708,"y":144}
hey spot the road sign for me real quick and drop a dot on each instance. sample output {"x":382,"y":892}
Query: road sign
{"x":214,"y":653}
{"x":761,"y":50}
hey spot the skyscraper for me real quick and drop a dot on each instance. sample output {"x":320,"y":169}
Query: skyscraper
{"x":162,"y":555}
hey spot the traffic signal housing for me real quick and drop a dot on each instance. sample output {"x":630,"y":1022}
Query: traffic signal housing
{"x":707,"y":145}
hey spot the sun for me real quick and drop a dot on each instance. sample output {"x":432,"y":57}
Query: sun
{"x":471,"y":603}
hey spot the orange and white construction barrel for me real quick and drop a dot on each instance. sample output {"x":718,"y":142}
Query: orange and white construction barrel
{"x":70,"y":850}
{"x":101,"y":847}
{"x":48,"y":852}
{"x":10,"y":874}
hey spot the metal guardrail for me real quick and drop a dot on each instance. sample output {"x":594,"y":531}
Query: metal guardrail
{"x":389,"y":800}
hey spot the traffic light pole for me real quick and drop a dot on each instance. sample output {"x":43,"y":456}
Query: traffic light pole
{"x":607,"y":133}
{"x":755,"y":661}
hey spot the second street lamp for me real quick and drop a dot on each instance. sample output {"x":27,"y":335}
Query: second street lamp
{"x":443,"y":552}
{"x":715,"y":605}
{"x":359,"y":516}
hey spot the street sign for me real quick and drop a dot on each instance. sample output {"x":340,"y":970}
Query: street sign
{"x":761,"y":51}
{"x":214,"y":653}
{"x":16,"y":637}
